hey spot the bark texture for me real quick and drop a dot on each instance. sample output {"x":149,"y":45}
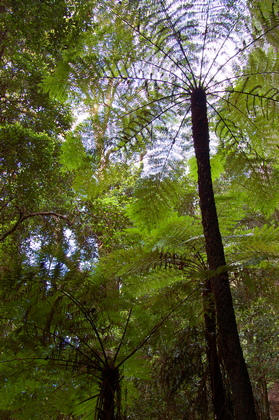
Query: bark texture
{"x":108,"y":404}
{"x":231,"y":352}
{"x":220,"y":398}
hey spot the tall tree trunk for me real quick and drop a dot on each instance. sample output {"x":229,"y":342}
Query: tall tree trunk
{"x":220,"y":398}
{"x":242,"y":395}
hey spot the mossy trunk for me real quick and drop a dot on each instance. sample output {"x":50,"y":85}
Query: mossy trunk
{"x":242,"y":396}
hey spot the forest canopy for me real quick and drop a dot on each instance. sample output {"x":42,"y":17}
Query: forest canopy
{"x":139,"y":218}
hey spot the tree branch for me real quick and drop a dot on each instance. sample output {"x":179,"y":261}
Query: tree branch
{"x":23,"y":217}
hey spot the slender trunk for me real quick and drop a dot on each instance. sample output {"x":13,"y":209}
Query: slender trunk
{"x":3,"y":33}
{"x":242,"y":396}
{"x":108,"y":404}
{"x":220,"y":398}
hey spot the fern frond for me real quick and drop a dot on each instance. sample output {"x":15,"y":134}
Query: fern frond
{"x":256,"y":247}
{"x":154,"y":198}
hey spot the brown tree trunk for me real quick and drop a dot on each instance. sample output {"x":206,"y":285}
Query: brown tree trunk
{"x":3,"y":33}
{"x":242,"y":396}
{"x":220,"y":398}
{"x":108,"y":404}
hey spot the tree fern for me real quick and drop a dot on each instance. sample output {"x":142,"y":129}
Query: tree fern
{"x":91,"y":330}
{"x":175,"y":41}
{"x":164,"y":64}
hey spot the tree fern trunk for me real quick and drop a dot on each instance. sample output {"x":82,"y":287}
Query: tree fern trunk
{"x":220,"y":397}
{"x":242,"y":396}
{"x":108,"y":404}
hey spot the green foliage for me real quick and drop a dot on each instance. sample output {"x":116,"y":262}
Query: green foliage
{"x":265,"y":15}
{"x":73,"y":153}
{"x":154,"y":200}
{"x":102,"y":259}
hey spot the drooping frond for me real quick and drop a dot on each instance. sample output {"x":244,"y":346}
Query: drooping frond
{"x":154,"y":199}
{"x":265,"y":16}
{"x":256,"y":247}
{"x":137,"y":88}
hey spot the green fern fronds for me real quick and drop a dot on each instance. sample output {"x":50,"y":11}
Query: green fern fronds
{"x":154,"y":199}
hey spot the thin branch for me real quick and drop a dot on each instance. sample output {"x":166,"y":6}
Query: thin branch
{"x":238,"y":109}
{"x":123,"y":336}
{"x":155,"y":328}
{"x":146,"y":38}
{"x":228,"y":79}
{"x":150,"y":79}
{"x":240,"y":50}
{"x":178,"y":39}
{"x":175,"y":137}
{"x":5,"y":203}
{"x":91,"y":322}
{"x":149,"y":103}
{"x":226,"y":125}
{"x":147,"y":124}
{"x":204,"y":40}
{"x":68,"y":343}
{"x":233,"y":136}
{"x":66,"y":361}
{"x":159,"y":67}
{"x":23,"y":217}
{"x":10,"y":231}
{"x":218,"y":52}
{"x":89,"y":398}
{"x":256,"y":95}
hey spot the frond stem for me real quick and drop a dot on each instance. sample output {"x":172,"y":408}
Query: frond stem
{"x":156,"y":327}
{"x":177,"y":37}
{"x":91,"y":322}
{"x":146,"y":38}
{"x":123,"y":335}
{"x":175,"y":137}
{"x":240,"y":50}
